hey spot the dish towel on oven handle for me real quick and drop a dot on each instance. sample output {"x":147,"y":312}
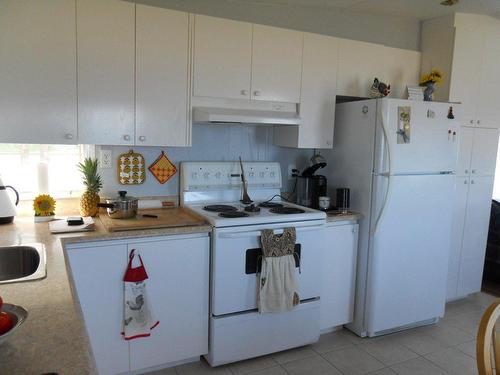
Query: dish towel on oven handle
{"x":277,"y":282}
{"x":138,"y":317}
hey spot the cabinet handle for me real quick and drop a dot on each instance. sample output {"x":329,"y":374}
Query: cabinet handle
{"x":478,"y":122}
{"x":465,"y":182}
{"x":244,"y":92}
{"x":472,"y":182}
{"x":142,"y":138}
{"x":473,"y":171}
{"x":466,"y":171}
{"x":126,"y":137}
{"x":472,"y":121}
{"x":256,"y":93}
{"x":68,"y":136}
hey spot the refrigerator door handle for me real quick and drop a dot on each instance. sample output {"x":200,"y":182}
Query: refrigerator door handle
{"x":386,"y":174}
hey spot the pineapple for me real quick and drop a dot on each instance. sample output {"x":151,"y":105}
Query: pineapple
{"x":93,"y":184}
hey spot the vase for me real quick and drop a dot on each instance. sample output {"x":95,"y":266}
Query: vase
{"x":429,"y":91}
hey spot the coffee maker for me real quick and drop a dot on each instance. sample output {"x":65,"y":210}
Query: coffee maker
{"x":310,"y":186}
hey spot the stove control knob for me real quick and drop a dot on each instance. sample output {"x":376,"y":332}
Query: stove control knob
{"x":262,"y":174}
{"x":218,"y":175}
{"x":272,"y":174}
{"x":206,"y":175}
{"x":251,"y":175}
{"x":194,"y":175}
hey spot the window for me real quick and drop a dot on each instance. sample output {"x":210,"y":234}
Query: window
{"x":36,"y":169}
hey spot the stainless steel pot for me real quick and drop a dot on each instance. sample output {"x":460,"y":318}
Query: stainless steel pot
{"x":121,"y":207}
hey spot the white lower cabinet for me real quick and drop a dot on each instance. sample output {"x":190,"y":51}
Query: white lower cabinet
{"x":339,"y":274}
{"x":177,"y":267}
{"x":469,"y":235}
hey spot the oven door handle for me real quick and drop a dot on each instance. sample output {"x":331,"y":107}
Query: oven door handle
{"x":257,"y":233}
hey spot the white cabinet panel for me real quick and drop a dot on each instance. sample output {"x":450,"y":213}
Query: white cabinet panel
{"x":222,"y":58}
{"x":466,"y":139}
{"x":402,"y":68}
{"x":317,"y":101}
{"x":338,"y":275}
{"x":106,"y":54}
{"x":178,"y":289}
{"x":276,"y":64}
{"x":465,"y":74}
{"x":98,"y":276}
{"x":162,"y":72}
{"x":484,"y":154}
{"x":358,"y":67}
{"x":37,"y":71}
{"x":475,"y":235}
{"x":457,"y":230}
{"x":488,"y":108}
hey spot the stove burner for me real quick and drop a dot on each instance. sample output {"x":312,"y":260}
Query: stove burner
{"x":220,"y":208}
{"x":270,"y":204}
{"x":252,"y":208}
{"x":286,"y":210}
{"x":232,"y":214}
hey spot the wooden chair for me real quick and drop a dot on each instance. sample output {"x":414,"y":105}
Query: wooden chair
{"x":488,"y":337}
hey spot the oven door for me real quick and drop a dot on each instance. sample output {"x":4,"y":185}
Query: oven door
{"x":236,"y":259}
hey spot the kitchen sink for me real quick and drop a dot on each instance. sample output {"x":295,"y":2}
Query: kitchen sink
{"x":22,"y":263}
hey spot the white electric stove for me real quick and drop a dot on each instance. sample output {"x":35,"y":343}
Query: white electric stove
{"x":237,"y":331}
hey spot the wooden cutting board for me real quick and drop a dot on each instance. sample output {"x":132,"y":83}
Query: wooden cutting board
{"x":167,"y":218}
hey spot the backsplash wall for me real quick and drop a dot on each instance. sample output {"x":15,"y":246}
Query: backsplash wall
{"x":209,"y":143}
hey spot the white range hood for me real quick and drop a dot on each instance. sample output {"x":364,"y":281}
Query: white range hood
{"x":223,"y":111}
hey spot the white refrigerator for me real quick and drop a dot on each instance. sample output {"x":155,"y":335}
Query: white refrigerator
{"x":398,"y":158}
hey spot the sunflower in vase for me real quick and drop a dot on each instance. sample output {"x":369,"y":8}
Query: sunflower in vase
{"x":430,"y":81}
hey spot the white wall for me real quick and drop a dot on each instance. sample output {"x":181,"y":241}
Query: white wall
{"x":210,"y":143}
{"x":400,"y":32}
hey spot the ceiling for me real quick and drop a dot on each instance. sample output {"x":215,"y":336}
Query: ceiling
{"x":420,"y":9}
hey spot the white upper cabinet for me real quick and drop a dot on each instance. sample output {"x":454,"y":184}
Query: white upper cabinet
{"x":222,"y":58}
{"x":162,"y":77}
{"x":484,"y":155}
{"x":359,"y":64}
{"x":466,"y":48}
{"x":317,"y":102}
{"x":466,"y":137}
{"x":276,"y":64}
{"x":466,"y":73}
{"x":106,"y":56}
{"x":488,"y":107}
{"x":37,"y":71}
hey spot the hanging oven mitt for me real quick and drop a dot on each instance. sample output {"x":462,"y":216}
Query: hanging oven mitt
{"x":138,"y":320}
{"x":278,"y":286}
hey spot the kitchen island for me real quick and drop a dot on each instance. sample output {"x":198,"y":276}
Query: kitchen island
{"x":54,"y":338}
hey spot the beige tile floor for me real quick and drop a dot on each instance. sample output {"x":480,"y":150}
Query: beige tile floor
{"x":445,"y":348}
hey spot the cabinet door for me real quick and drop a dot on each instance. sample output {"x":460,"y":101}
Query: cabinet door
{"x":98,"y":277}
{"x":37,"y":72}
{"x":338,"y":275}
{"x":457,"y":230}
{"x":162,"y":67}
{"x":222,"y":58}
{"x":484,"y":152}
{"x":465,"y":75}
{"x":402,"y":68}
{"x":319,"y":82}
{"x":488,"y":109}
{"x":276,"y":64}
{"x":475,"y":235}
{"x":178,"y":290}
{"x":357,"y":68}
{"x":466,"y":139}
{"x":106,"y":54}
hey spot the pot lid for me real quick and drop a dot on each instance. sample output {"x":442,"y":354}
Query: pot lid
{"x":122,"y":196}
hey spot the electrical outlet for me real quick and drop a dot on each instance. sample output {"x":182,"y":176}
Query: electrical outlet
{"x":291,"y":168}
{"x":105,"y":159}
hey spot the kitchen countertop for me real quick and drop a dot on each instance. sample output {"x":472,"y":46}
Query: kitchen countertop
{"x":333,"y":216}
{"x":53,"y":338}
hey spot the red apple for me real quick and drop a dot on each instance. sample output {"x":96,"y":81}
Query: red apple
{"x":6,"y":323}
